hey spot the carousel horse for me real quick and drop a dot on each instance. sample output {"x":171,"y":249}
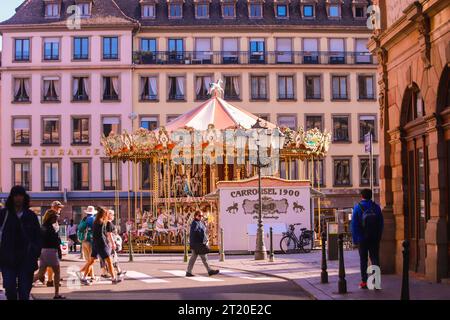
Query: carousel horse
{"x":186,"y":188}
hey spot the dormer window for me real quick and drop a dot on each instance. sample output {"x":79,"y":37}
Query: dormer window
{"x":84,"y":9}
{"x":359,"y":9}
{"x":148,"y":11}
{"x":255,"y":9}
{"x":228,"y":9}
{"x":308,"y":9}
{"x":175,"y":9}
{"x":202,"y":9}
{"x":52,"y":9}
{"x":334,"y":9}
{"x":281,"y":9}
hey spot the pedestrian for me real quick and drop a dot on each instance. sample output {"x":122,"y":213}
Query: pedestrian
{"x":20,"y":244}
{"x":113,"y":236}
{"x":50,"y":250}
{"x":102,"y":246}
{"x":367,"y":229}
{"x":55,"y":206}
{"x":72,"y":234}
{"x":85,"y":236}
{"x":198,"y":239}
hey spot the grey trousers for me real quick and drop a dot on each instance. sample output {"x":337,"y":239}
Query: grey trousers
{"x":194,"y":258}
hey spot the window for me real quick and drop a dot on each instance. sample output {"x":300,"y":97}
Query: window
{"x":232,"y":88}
{"x":80,"y":130}
{"x":289,"y":169}
{"x":336,"y":51}
{"x":50,"y":175}
{"x":366,"y":87}
{"x":282,"y":11}
{"x":364,"y":173}
{"x":360,"y":12}
{"x":80,"y":175}
{"x":176,"y":88}
{"x":284,"y":50}
{"x":341,"y":129}
{"x":51,"y":49}
{"x":110,"y":125}
{"x":416,"y":108}
{"x":22,"y":173}
{"x":366,"y":125}
{"x":318,"y":172}
{"x":22,"y":90}
{"x":228,"y":10}
{"x":176,"y":51}
{"x":78,"y":214}
{"x":111,"y":88}
{"x":52,"y":10}
{"x":257,"y":51}
{"x":148,"y":50}
{"x":286,"y":88}
{"x":202,"y":10}
{"x":203,"y":53}
{"x":110,"y":48}
{"x":230,"y":52}
{"x":109,"y":175}
{"x":339,"y":87}
{"x":314,"y":122}
{"x":202,"y":87}
{"x":175,"y":10}
{"x":50,"y":89}
{"x":149,"y":123}
{"x":81,"y":48}
{"x":310,"y":51}
{"x":287,"y":121}
{"x":362,"y":54}
{"x":149,"y":88}
{"x":149,"y":11}
{"x":50,"y":131}
{"x":258,"y":87}
{"x":84,"y":9}
{"x":21,"y":131}
{"x":171,"y":117}
{"x":313,"y":87}
{"x":22,"y":50}
{"x":255,"y":10}
{"x":80,"y":89}
{"x":308,"y":11}
{"x":334,"y":11}
{"x":342,"y":172}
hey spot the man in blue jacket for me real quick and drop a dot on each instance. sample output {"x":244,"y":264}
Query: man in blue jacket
{"x":367,"y":229}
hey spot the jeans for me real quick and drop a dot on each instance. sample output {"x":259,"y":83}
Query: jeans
{"x":366,"y":250}
{"x":194,"y":258}
{"x":18,"y":282}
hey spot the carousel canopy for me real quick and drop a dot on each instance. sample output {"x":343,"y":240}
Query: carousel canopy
{"x":217,"y":112}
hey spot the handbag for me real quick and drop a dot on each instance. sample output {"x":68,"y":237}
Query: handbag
{"x":201,"y":249}
{"x":3,"y":226}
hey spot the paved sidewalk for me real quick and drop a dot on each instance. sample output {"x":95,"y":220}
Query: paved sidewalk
{"x":305,"y":269}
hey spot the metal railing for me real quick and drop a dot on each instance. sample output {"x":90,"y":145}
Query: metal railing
{"x":246,"y":57}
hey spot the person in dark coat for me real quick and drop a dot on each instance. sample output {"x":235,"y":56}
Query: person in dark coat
{"x":20,"y":245}
{"x":198,"y":240}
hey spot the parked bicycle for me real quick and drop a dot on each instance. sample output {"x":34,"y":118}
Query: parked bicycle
{"x":290,"y":243}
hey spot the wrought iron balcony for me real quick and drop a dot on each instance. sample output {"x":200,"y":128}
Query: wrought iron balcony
{"x":247,"y":57}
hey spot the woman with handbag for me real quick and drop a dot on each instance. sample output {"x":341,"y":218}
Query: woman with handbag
{"x":198,"y":239}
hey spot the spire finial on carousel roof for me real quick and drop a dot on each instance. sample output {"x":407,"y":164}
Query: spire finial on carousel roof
{"x":215,"y":89}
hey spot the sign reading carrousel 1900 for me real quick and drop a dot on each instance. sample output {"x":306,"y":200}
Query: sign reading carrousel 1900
{"x":284,"y":202}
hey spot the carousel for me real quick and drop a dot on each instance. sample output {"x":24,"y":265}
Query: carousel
{"x":184,"y":161}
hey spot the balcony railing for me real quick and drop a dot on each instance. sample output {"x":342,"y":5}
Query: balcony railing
{"x":246,"y":57}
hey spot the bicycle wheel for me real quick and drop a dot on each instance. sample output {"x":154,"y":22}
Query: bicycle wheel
{"x":305,"y":244}
{"x":288,"y":245}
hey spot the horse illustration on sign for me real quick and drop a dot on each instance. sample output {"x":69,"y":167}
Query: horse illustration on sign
{"x":233,"y":209}
{"x":269,"y":207}
{"x":298,"y":207}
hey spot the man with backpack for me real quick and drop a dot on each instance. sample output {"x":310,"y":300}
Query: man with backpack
{"x":85,"y":235}
{"x":367,"y":228}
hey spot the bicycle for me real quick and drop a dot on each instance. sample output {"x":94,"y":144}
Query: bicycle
{"x":290,"y":243}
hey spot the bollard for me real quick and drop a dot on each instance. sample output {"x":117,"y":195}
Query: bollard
{"x":271,"y":257}
{"x":342,"y":283}
{"x":130,"y":248}
{"x":324,"y":274}
{"x":405,"y":278}
{"x":185,"y":257}
{"x":222,"y":253}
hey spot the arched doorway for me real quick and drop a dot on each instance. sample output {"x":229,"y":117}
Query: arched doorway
{"x":415,"y":173}
{"x":443,"y":110}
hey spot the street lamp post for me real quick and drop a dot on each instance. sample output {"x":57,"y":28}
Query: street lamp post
{"x":132,"y":116}
{"x":260,"y":250}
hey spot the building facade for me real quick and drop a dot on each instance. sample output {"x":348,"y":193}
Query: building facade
{"x":412,"y":42}
{"x":292,"y":62}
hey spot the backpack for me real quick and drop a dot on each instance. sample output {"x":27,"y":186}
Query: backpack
{"x":370,"y":223}
{"x":84,"y":232}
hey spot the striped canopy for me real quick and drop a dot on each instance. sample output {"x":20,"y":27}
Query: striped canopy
{"x":217,"y":112}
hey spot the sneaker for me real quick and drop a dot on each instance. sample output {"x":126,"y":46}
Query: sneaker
{"x":50,"y":284}
{"x":105,"y":276}
{"x":116,"y":281}
{"x":213,"y":272}
{"x":363,"y":285}
{"x":85,"y":282}
{"x":79,"y":275}
{"x":59,"y":297}
{"x":188,"y":274}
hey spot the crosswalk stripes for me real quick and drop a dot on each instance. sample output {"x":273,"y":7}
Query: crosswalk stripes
{"x":143,"y":277}
{"x":243,"y":275}
{"x":181,"y":273}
